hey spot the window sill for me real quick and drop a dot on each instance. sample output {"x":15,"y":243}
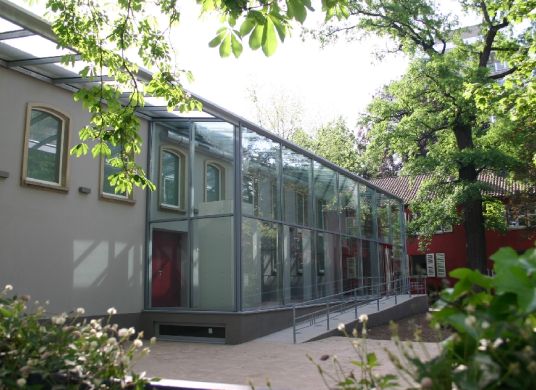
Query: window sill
{"x":117,"y":199}
{"x":44,"y":185}
{"x":166,"y":207}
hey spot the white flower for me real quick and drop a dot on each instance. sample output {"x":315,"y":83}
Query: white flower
{"x":58,"y":320}
{"x":341,"y":327}
{"x":21,"y":382}
{"x":80,"y":311}
{"x":363,"y":318}
{"x":483,"y":344}
{"x":470,"y":320}
{"x":131,"y":330}
{"x":111,"y":341}
{"x":485,"y":325}
{"x":111,"y":311}
{"x":152,"y":340}
{"x":138,"y":343}
{"x":497,"y":343}
{"x":123,"y":332}
{"x":461,"y":367}
{"x":9,"y":288}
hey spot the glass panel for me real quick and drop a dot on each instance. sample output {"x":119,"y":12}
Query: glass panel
{"x":261,"y":273}
{"x":213,"y":270}
{"x":328,"y":264}
{"x":296,"y":187}
{"x":325,"y":198}
{"x":260,"y":171}
{"x":383,"y":217}
{"x":169,"y":170}
{"x":213,"y":183}
{"x":396,"y":221}
{"x":170,"y":274}
{"x":366,"y":211}
{"x":109,"y":169}
{"x":348,"y":198}
{"x":44,"y":147}
{"x":213,"y":168}
{"x":298,"y":265}
{"x":169,"y":179}
{"x":352,"y":266}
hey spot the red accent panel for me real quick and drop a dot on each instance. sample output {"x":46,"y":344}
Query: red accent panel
{"x":166,"y":271}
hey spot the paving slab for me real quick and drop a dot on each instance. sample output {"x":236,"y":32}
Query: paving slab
{"x":283,"y":365}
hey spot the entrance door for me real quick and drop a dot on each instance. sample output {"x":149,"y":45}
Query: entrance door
{"x":166,"y":270}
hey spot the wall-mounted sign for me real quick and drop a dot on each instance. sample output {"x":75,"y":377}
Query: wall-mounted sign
{"x":430,"y":265}
{"x":440,"y":265}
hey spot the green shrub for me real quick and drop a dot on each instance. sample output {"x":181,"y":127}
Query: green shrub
{"x":64,"y":351}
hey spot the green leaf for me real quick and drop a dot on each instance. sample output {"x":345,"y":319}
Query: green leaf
{"x":247,"y":26}
{"x":472,"y":276}
{"x":269,"y":39}
{"x":279,"y":26}
{"x":255,"y":39}
{"x":217,"y":40}
{"x":236,"y":46}
{"x":297,"y":9}
{"x":225,"y":47}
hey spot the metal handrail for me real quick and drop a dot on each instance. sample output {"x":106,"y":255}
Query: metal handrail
{"x":404,"y":285}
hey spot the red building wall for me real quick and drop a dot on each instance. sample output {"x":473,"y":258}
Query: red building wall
{"x":452,"y":244}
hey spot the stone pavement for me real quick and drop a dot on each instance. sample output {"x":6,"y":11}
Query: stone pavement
{"x":285,"y":366}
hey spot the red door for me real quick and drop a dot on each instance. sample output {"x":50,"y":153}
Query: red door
{"x":166,"y":270}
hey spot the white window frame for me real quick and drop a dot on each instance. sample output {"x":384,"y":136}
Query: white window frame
{"x":182,"y":178}
{"x":63,"y":168}
{"x":221,"y":174}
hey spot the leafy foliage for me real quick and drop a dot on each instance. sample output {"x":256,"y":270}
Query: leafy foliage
{"x":494,"y":318}
{"x":335,"y":142}
{"x":64,"y":351}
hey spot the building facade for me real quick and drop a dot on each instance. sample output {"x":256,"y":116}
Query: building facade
{"x":447,"y":250}
{"x":242,"y":225}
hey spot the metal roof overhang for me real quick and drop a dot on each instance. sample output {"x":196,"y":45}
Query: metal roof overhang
{"x":47,"y":68}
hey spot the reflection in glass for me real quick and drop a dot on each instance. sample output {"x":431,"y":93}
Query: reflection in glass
{"x":298,"y":271}
{"x":396,"y":221}
{"x":261,"y":273}
{"x":366,"y":211}
{"x":213,"y":168}
{"x":296,"y":185}
{"x":352,"y":266}
{"x":348,"y":199}
{"x":328,"y":264}
{"x":213,"y":271}
{"x":44,"y":147}
{"x":383,"y":217}
{"x":110,"y":169}
{"x":170,"y":273}
{"x":325,"y":197}
{"x":213,"y":183}
{"x":170,"y":179}
{"x":260,"y":170}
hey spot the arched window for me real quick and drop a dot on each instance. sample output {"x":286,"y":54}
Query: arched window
{"x":214,"y":179}
{"x":46,"y":143}
{"x":109,"y":166}
{"x":172,"y":178}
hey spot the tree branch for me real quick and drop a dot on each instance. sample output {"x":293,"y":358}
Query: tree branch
{"x":499,"y":76}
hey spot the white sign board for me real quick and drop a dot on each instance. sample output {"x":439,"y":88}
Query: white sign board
{"x":440,"y":265}
{"x":430,"y":265}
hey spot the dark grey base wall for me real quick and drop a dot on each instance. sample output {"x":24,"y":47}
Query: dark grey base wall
{"x":239,"y":327}
{"x":242,"y":327}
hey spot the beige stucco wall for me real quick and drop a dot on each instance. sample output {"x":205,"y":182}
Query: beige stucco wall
{"x":69,"y":248}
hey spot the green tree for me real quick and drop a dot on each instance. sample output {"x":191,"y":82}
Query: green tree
{"x":447,"y":117}
{"x":335,"y":142}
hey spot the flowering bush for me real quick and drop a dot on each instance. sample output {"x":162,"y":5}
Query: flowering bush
{"x":494,"y":318}
{"x":65,"y":351}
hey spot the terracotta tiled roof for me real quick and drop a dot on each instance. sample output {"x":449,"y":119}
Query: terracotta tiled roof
{"x":406,"y":187}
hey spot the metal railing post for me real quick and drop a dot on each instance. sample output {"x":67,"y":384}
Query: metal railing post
{"x":294,"y":324}
{"x":327,"y":310}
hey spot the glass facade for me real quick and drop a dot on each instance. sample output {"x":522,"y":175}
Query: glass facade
{"x":300,"y":230}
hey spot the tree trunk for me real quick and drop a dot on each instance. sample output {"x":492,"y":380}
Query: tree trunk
{"x":475,"y":236}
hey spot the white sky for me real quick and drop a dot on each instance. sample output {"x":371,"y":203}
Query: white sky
{"x":338,"y":80}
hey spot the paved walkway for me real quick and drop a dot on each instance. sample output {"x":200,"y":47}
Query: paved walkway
{"x":285,"y":366}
